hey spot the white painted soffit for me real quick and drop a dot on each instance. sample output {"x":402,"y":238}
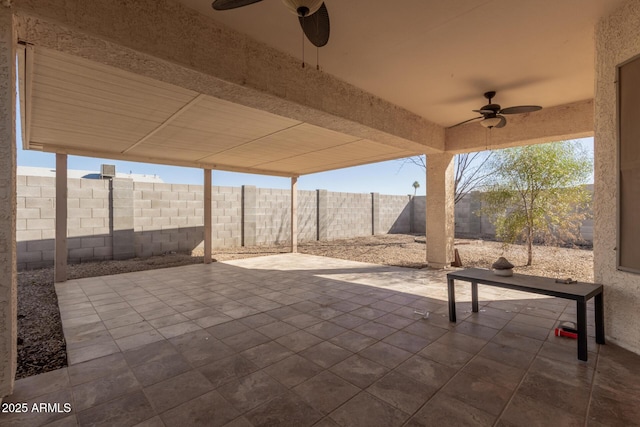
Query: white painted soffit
{"x":76,"y":106}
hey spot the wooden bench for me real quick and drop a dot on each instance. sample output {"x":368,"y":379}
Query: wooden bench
{"x":579,"y":292}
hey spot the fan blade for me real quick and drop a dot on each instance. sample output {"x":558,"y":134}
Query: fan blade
{"x":466,"y":121}
{"x":484,"y":111}
{"x":503,"y":122}
{"x":231,"y":4}
{"x":316,"y":27}
{"x":521,"y":109}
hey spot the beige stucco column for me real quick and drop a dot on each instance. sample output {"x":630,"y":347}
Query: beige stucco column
{"x":294,"y":214}
{"x":8,"y":290}
{"x":440,"y":214}
{"x":617,"y":41}
{"x":207,"y":216}
{"x":61,"y":253}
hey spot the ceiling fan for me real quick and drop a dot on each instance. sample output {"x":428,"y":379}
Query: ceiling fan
{"x":492,"y":115}
{"x":312,"y":14}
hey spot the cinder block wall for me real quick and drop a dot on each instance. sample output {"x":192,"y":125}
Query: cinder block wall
{"x":349,"y":215}
{"x":395,"y":214}
{"x":166,"y":217}
{"x":307,"y":215}
{"x":471,"y":225}
{"x":420,"y":211}
{"x":273,"y":213}
{"x":226,"y":211}
{"x":121,"y":219}
{"x":89,"y":236}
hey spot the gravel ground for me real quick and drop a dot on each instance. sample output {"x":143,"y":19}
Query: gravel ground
{"x":41,"y":345}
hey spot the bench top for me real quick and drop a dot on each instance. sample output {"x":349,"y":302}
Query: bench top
{"x":522,"y":282}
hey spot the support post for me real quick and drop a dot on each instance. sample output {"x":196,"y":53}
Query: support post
{"x":8,"y":287}
{"x":294,"y":214}
{"x":440,"y":210}
{"x":61,"y":253}
{"x":207,"y":216}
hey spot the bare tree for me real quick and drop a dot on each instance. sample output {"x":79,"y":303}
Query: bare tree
{"x":470,"y":171}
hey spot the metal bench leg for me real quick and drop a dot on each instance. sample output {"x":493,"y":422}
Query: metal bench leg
{"x":599,"y":312}
{"x":582,"y":329}
{"x":452,"y":300}
{"x":474,"y":297}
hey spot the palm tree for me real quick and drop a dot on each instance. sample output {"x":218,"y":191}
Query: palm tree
{"x":416,"y":185}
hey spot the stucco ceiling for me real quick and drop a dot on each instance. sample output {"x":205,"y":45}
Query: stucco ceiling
{"x":436,"y":58}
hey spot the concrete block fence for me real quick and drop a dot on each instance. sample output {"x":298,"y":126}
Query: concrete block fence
{"x":121,"y":218}
{"x":471,"y":225}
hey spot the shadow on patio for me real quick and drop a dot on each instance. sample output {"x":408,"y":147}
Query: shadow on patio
{"x":301,"y":340}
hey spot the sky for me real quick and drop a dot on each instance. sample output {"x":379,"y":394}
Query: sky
{"x":391,"y":177}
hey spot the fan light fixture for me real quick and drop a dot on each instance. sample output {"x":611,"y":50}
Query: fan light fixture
{"x":490,"y":122}
{"x":303,"y":8}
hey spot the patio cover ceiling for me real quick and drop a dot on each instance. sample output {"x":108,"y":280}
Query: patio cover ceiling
{"x":392,"y":79}
{"x":86,"y":108}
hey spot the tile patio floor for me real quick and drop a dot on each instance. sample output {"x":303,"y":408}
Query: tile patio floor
{"x":301,"y":340}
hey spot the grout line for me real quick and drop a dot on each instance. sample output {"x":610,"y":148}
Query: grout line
{"x":593,"y":380}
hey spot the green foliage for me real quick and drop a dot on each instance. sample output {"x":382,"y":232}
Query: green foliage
{"x":536,"y":193}
{"x":416,"y":185}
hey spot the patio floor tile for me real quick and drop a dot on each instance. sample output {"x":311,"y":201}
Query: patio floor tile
{"x":293,"y":370}
{"x":401,"y":392}
{"x":276,"y":329}
{"x":571,"y":399}
{"x":230,"y":368}
{"x":204,"y":345}
{"x":129,"y":409}
{"x":385,"y":354}
{"x":478,"y":393}
{"x":326,"y":391}
{"x":179,"y":389}
{"x":367,"y":410}
{"x":430,"y":373}
{"x":207,"y":410}
{"x":287,"y":409}
{"x":359,"y":371}
{"x":245,"y":340}
{"x":251,"y":391}
{"x":406,"y":341}
{"x":266,"y":354}
{"x":348,"y":320}
{"x":445,"y":410}
{"x":325,"y":354}
{"x":495,"y":372}
{"x":178,"y":329}
{"x":325,"y":330}
{"x":374,"y":330}
{"x":138,"y":340}
{"x":353,"y":341}
{"x":299,"y":340}
{"x":104,"y":389}
{"x":82,"y":354}
{"x":227,"y":329}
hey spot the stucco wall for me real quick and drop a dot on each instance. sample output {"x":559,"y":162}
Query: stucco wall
{"x":8,"y":291}
{"x":617,"y":40}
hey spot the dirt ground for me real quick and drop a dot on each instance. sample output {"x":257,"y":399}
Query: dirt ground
{"x":41,"y":345}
